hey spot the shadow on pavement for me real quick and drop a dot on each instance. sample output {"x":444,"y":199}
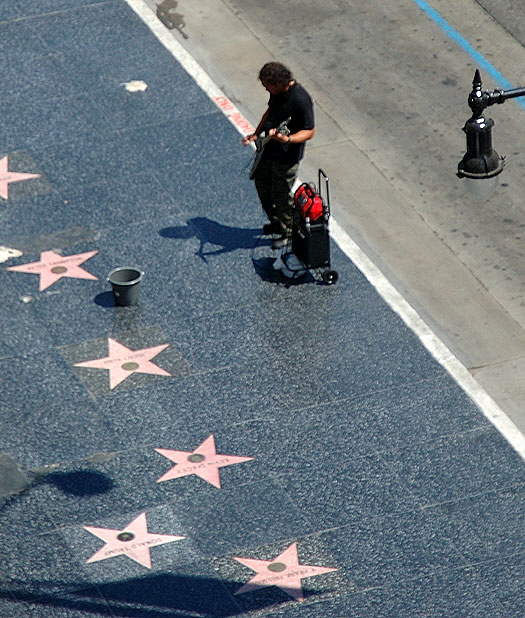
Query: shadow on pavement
{"x":153,"y":596}
{"x":227,"y":238}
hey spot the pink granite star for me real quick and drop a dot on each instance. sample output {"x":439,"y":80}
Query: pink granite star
{"x":284,"y":571}
{"x":133,"y":541}
{"x":53,"y":266}
{"x":203,"y":461}
{"x":7,"y":177}
{"x":122,"y":362}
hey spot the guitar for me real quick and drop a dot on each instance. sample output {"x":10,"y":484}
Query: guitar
{"x":261,"y":142}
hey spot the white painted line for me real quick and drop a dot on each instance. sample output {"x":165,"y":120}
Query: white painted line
{"x":192,"y":67}
{"x":429,"y":339}
{"x":392,"y":297}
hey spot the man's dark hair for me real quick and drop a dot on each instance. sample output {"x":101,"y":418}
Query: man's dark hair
{"x":276,"y":74}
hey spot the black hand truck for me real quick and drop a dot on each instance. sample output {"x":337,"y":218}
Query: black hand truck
{"x":310,"y":235}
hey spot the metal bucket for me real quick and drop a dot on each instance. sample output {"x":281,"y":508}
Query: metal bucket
{"x":125,"y":283}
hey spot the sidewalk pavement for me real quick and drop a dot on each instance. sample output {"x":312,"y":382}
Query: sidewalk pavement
{"x":230,"y":446}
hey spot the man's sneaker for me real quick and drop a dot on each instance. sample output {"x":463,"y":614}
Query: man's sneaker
{"x":281,"y":242}
{"x":271,"y":228}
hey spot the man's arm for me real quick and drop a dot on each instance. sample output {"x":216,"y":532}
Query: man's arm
{"x":296,"y":138}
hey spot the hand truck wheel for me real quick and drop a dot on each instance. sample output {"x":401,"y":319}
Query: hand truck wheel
{"x":330,"y":277}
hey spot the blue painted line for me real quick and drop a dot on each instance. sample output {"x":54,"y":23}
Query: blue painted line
{"x":480,"y":60}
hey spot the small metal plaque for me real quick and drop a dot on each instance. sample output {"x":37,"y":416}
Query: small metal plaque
{"x":131,"y":366}
{"x":58,"y":270}
{"x":196,"y":458}
{"x":277,"y":567}
{"x":125,"y":536}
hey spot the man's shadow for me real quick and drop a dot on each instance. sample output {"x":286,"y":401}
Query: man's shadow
{"x":226,"y":238}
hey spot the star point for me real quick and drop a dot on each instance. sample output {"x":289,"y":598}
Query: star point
{"x":284,"y":571}
{"x":7,"y":177}
{"x":121,"y":362}
{"x":204,"y":462}
{"x":133,"y":541}
{"x":53,"y":266}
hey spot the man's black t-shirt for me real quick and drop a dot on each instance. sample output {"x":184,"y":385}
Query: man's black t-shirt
{"x":296,"y":104}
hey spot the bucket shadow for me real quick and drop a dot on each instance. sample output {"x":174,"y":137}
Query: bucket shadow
{"x":105,"y":299}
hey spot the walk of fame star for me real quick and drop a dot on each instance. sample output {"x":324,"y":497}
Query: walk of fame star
{"x":53,"y":266}
{"x":122,"y":362}
{"x":284,"y":571}
{"x":7,"y":177}
{"x":133,"y":541}
{"x":204,"y":461}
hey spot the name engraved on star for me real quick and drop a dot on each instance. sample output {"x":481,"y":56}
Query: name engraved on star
{"x":56,"y":267}
{"x":115,"y":552}
{"x":222,"y":462}
{"x":190,"y":469}
{"x":204,"y":464}
{"x":111,"y":361}
{"x":30,"y":268}
{"x":132,"y":547}
{"x":124,"y":360}
{"x":291,"y":574}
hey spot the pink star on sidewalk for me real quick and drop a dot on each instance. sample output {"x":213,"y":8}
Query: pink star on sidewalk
{"x":53,"y":267}
{"x":6,"y":177}
{"x":122,"y":362}
{"x":284,"y":571}
{"x":133,"y":541}
{"x":203,"y":461}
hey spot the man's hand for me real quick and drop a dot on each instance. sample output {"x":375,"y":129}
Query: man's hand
{"x":249,"y":138}
{"x":279,"y":137}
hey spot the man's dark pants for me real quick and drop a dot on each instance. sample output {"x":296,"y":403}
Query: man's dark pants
{"x":274,"y":183}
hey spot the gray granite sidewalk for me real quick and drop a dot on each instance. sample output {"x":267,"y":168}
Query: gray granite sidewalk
{"x":230,"y":446}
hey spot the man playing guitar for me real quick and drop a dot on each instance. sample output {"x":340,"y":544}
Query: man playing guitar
{"x":288,"y":122}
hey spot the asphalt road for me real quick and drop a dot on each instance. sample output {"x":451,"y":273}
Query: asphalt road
{"x":508,"y":14}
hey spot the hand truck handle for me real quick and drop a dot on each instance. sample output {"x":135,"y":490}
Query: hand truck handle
{"x":324,"y":177}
